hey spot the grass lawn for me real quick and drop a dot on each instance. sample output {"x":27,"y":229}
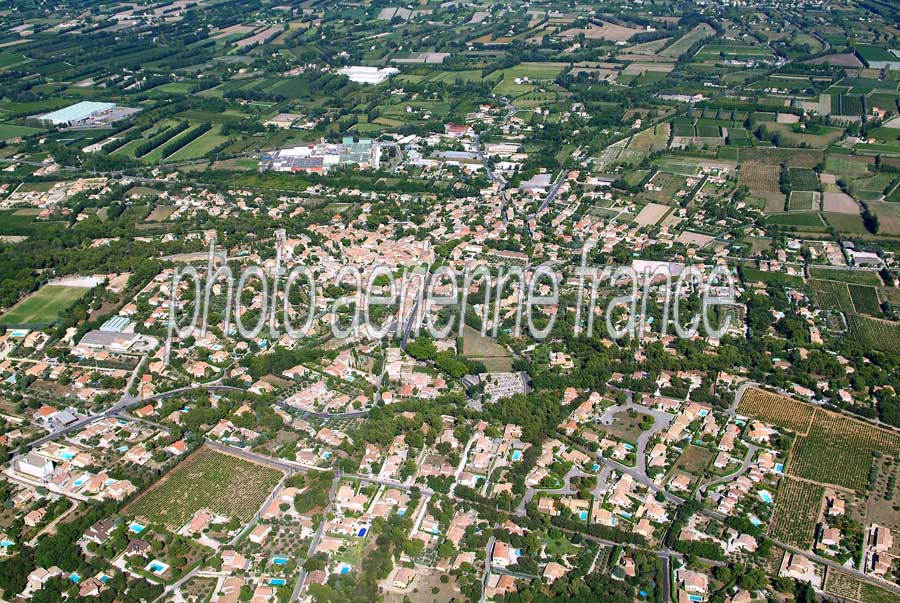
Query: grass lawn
{"x":43,"y":307}
{"x":224,"y":484}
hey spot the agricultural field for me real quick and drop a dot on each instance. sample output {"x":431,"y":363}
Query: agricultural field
{"x":43,"y":307}
{"x":777,"y":410}
{"x":486,"y":350}
{"x":797,"y":507}
{"x":854,"y":277}
{"x":10,"y":131}
{"x":685,"y":42}
{"x":839,"y":450}
{"x":804,"y":179}
{"x":224,"y":484}
{"x":804,"y":201}
{"x":831,"y":295}
{"x":875,"y":333}
{"x":847,"y":587}
{"x":765,"y":181}
{"x":865,"y":300}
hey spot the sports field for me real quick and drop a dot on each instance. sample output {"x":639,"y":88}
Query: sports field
{"x":43,"y":307}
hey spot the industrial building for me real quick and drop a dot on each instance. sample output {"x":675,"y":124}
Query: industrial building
{"x":368,"y":75}
{"x":79,"y":113}
{"x":320,"y":158}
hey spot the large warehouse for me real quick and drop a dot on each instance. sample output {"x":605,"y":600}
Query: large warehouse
{"x":78,"y":113}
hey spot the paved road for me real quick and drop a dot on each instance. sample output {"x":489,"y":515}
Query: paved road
{"x":488,"y":553}
{"x":317,"y":537}
{"x":748,"y":460}
{"x":415,"y":309}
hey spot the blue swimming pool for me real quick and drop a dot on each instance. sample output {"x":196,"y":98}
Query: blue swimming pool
{"x":625,"y":514}
{"x":765,"y":496}
{"x":755,"y":520}
{"x":326,"y":454}
{"x":595,"y":467}
{"x":627,"y":446}
{"x":361,"y":533}
{"x":703,"y":412}
{"x":583,"y":515}
{"x":516,"y":455}
{"x":137,"y":528}
{"x":103,"y":578}
{"x":6,"y":543}
{"x":157,"y":568}
{"x":779,"y":467}
{"x":67,"y":456}
{"x":80,"y":481}
{"x":280,"y":560}
{"x":344,"y":569}
{"x":74,"y":577}
{"x":695,"y":597}
{"x":401,"y":512}
{"x":643,"y":593}
{"x":277,"y":581}
{"x":122,"y":449}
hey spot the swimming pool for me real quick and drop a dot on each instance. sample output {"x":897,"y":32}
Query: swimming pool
{"x":583,"y":515}
{"x":344,"y":569}
{"x":103,"y":578}
{"x":595,"y":467}
{"x":122,"y":449}
{"x":765,"y":496}
{"x":80,"y":481}
{"x":625,"y":514}
{"x":401,"y":512}
{"x":6,"y":543}
{"x":779,"y":467}
{"x":755,"y":520}
{"x":18,"y":333}
{"x":361,"y":533}
{"x":695,"y":597}
{"x":277,"y":581}
{"x":74,"y":577}
{"x":137,"y":528}
{"x":157,"y":567}
{"x":627,"y":446}
{"x":67,"y":456}
{"x":703,"y":412}
{"x":326,"y":454}
{"x":280,"y":560}
{"x":516,"y":455}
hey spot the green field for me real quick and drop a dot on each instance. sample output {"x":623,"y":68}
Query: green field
{"x":854,"y":277}
{"x":43,"y":307}
{"x":224,"y":484}
{"x":802,"y":201}
{"x":877,"y":334}
{"x":9,"y":131}
{"x":831,"y":295}
{"x":865,"y":300}
{"x":200,"y":146}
